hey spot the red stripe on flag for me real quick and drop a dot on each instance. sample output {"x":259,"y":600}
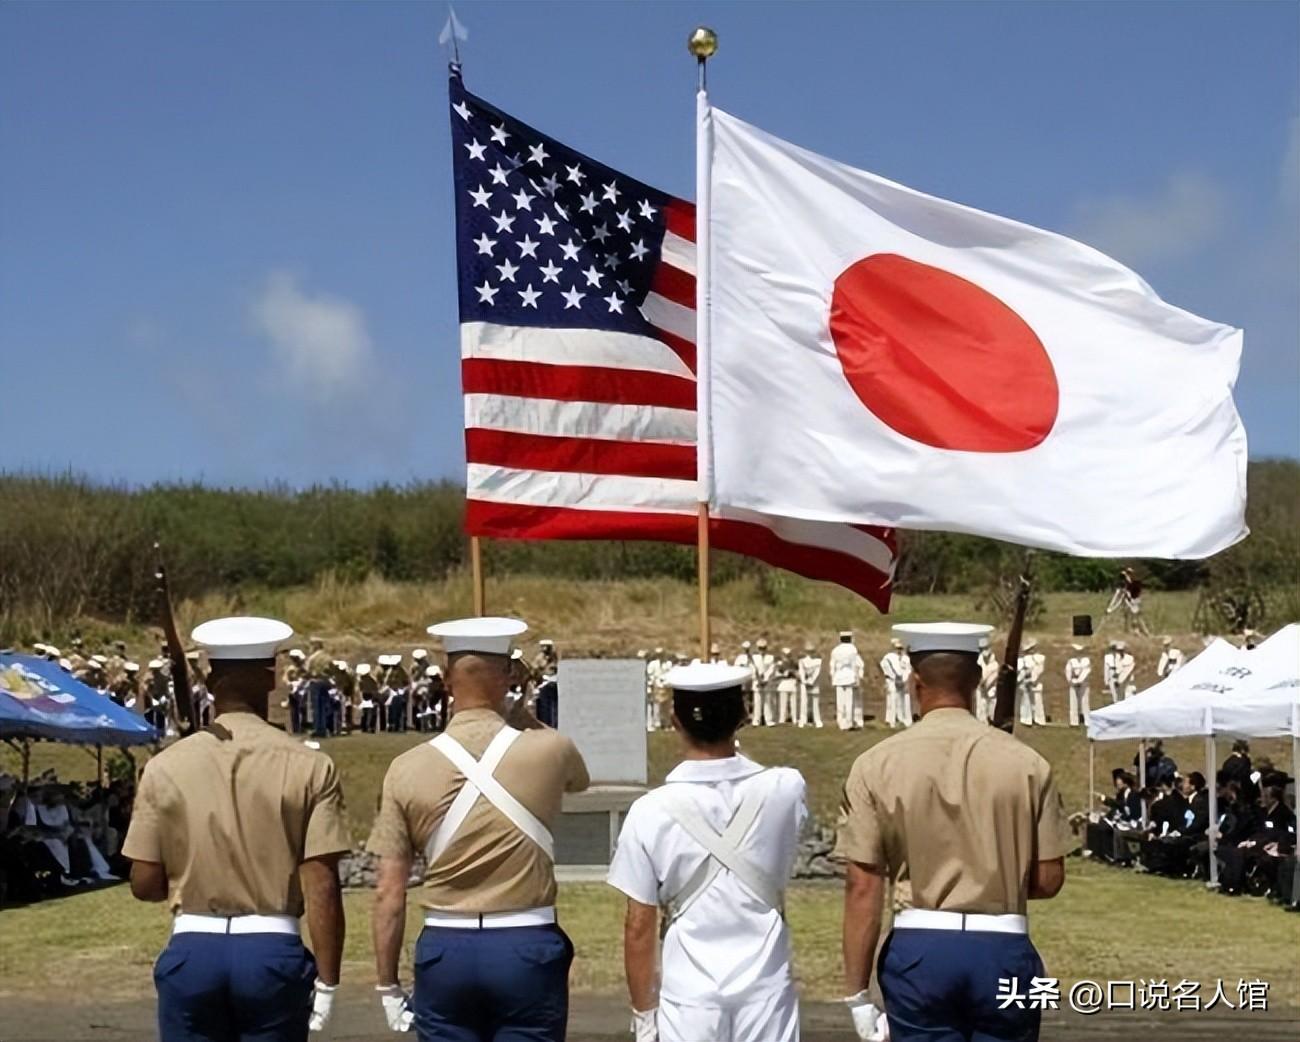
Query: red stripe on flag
{"x":572,"y":383}
{"x":508,"y":521}
{"x":680,"y":218}
{"x":675,"y":284}
{"x":579,"y":455}
{"x":812,"y":562}
{"x":684,"y":349}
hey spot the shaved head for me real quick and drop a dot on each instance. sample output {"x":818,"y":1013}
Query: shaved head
{"x":478,"y":679}
{"x":946,"y":674}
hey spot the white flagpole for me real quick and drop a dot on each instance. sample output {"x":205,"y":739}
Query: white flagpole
{"x":703,"y":44}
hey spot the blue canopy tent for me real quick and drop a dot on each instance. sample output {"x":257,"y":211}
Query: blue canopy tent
{"x":38,"y":700}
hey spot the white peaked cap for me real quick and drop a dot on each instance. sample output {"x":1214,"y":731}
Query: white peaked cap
{"x":744,"y":643}
{"x":241,"y":637}
{"x":341,"y":664}
{"x":706,"y":676}
{"x":296,"y":653}
{"x":155,"y":663}
{"x":131,"y":667}
{"x":419,"y":653}
{"x":845,"y":633}
{"x":546,"y":642}
{"x":919,"y":637}
{"x":363,"y":669}
{"x":433,"y":671}
{"x":489,"y":636}
{"x":389,"y":660}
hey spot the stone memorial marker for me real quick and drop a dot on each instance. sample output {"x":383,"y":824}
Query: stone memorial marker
{"x":602,"y":708}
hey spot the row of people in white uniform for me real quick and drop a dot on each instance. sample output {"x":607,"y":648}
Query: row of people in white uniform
{"x":782,"y":689}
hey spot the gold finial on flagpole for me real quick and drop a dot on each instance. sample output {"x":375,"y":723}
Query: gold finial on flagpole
{"x":703,"y":43}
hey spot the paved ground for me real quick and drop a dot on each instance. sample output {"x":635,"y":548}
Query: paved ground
{"x":600,"y":1019}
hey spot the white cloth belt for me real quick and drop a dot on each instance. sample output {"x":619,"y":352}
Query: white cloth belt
{"x":724,"y":852}
{"x":234,"y":924}
{"x":927,"y":919}
{"x":479,"y":781}
{"x":490,"y":920}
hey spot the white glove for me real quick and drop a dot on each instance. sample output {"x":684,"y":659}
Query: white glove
{"x":397,"y":1006}
{"x":645,"y":1025}
{"x":322,"y":1006}
{"x":869,"y":1022}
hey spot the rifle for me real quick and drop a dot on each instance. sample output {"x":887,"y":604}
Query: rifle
{"x":175,"y":649}
{"x":1004,"y":705}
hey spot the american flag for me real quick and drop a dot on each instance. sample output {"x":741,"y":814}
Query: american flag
{"x":577,"y":311}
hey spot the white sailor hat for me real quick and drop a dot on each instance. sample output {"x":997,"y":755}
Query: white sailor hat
{"x":920,"y":637}
{"x":99,"y":660}
{"x":155,"y":663}
{"x":706,"y":676}
{"x":39,"y":648}
{"x":389,"y":660}
{"x":52,"y":652}
{"x":488,"y":636}
{"x":744,"y":643}
{"x":433,"y":671}
{"x":241,"y":638}
{"x":297,"y":653}
{"x":419,"y":653}
{"x":131,"y":667}
{"x":363,"y":669}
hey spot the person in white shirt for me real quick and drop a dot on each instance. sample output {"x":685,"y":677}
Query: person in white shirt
{"x":1030,"y":677}
{"x":1110,"y":670}
{"x":745,"y":660}
{"x":711,"y":851}
{"x":715,"y":654}
{"x":810,"y":687}
{"x":1171,"y":659}
{"x":986,"y":695}
{"x":847,"y":669}
{"x":764,"y":709}
{"x":898,"y":699}
{"x":787,"y":686}
{"x":654,"y":672}
{"x":1077,"y":671}
{"x":1124,"y":670}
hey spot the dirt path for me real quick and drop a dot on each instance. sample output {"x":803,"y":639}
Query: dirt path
{"x":602,"y":1019}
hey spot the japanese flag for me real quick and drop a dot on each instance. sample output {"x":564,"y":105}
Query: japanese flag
{"x":876,"y":355}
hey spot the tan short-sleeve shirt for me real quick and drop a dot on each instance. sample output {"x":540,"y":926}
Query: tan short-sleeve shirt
{"x":231,"y":819}
{"x":489,"y":865}
{"x":961,"y":808}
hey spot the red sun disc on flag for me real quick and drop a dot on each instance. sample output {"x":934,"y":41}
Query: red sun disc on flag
{"x":939,"y":359}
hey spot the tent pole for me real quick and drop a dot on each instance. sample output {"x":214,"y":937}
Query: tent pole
{"x":27,"y":761}
{"x":1092,"y":777}
{"x":1142,"y":779}
{"x":1211,"y":783}
{"x":99,"y":767}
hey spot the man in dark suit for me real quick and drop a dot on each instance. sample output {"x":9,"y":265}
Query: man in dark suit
{"x":1263,"y":850}
{"x":1124,"y":811}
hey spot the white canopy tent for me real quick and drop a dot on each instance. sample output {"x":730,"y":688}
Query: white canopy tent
{"x":1224,"y":691}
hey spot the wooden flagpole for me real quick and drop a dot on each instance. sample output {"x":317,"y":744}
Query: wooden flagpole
{"x":476,"y":571}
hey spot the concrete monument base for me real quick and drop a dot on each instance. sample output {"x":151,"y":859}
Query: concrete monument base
{"x":588,"y":829}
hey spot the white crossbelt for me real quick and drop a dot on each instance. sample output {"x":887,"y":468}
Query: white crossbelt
{"x":928,"y":919}
{"x":490,"y":920}
{"x":187,"y":922}
{"x":479,"y":781}
{"x":724,"y":852}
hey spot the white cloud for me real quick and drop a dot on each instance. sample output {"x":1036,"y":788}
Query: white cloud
{"x":1185,"y":216}
{"x":319,"y":342}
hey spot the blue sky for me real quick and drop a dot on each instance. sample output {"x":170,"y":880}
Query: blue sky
{"x":226,"y":249}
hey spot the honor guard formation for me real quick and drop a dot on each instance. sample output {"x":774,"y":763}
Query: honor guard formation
{"x":239,"y":829}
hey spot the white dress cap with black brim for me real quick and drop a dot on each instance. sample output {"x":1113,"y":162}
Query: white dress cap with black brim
{"x":241,"y":638}
{"x":920,"y":637}
{"x":487,"y":636}
{"x":706,"y":676}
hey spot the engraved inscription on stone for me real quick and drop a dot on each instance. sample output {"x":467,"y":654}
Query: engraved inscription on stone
{"x":602,"y":708}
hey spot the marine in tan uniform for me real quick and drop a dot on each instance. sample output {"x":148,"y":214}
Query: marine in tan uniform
{"x":239,"y":828}
{"x":972,"y":817}
{"x":478,"y":802}
{"x":317,"y":671}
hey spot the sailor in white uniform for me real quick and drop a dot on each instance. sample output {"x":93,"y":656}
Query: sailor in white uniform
{"x":847,"y":669}
{"x":898,"y":697}
{"x":1077,"y":671}
{"x":810,"y":687}
{"x":711,"y":850}
{"x":1171,"y":659}
{"x":986,"y":695}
